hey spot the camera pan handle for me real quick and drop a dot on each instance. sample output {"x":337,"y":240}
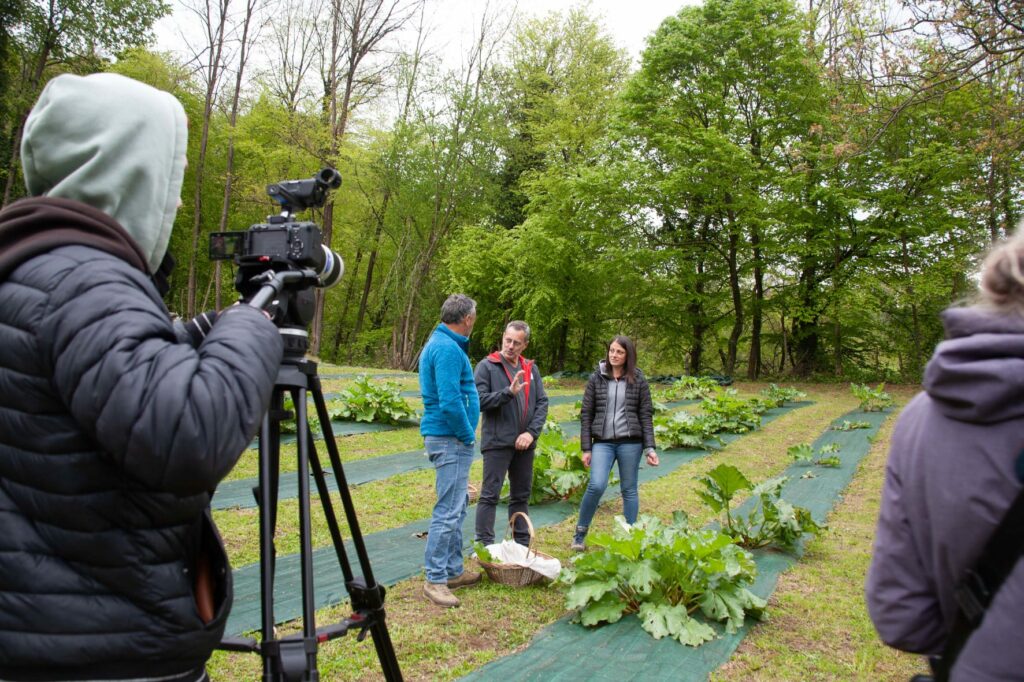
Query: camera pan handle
{"x":274,"y":284}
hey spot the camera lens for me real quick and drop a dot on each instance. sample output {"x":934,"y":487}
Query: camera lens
{"x":332,"y":269}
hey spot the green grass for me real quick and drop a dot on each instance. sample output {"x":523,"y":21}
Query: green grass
{"x":803,"y":638}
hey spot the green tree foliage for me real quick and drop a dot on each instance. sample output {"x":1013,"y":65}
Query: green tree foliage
{"x":39,"y":40}
{"x":539,"y":258}
{"x":772,"y":191}
{"x":724,"y":92}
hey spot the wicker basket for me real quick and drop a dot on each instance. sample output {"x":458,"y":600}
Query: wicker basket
{"x":515,"y":574}
{"x":473,"y":492}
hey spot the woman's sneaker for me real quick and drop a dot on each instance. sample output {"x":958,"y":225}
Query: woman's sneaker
{"x":578,"y":544}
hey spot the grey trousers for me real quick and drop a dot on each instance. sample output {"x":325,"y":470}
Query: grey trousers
{"x":518,"y":465}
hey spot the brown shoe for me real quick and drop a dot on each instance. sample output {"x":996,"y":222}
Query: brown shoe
{"x":440,"y":594}
{"x":466,"y":579}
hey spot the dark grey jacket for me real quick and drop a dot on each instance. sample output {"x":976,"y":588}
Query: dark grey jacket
{"x":502,"y":421}
{"x":949,"y":480}
{"x":113,"y":433}
{"x":639,"y":410}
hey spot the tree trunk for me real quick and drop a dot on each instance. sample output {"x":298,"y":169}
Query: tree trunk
{"x":215,"y":34}
{"x":229,"y":174}
{"x":756,"y":309}
{"x":737,"y":302}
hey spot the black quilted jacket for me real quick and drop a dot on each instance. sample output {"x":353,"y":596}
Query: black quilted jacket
{"x":639,"y":409}
{"x":113,"y":432}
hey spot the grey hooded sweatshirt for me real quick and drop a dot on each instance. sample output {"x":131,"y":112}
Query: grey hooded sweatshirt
{"x":950,"y":478}
{"x":113,"y":428}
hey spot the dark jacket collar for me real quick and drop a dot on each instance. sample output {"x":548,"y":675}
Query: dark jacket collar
{"x":29,"y":227}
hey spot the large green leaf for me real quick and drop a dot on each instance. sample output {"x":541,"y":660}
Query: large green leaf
{"x":584,"y":592}
{"x":608,"y":610}
{"x":662,"y":620}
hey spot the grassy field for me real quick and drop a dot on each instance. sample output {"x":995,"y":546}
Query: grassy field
{"x":817,"y":625}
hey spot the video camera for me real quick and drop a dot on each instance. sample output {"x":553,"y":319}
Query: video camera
{"x":279,"y":260}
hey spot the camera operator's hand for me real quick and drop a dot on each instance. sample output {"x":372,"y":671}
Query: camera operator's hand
{"x":199,"y":326}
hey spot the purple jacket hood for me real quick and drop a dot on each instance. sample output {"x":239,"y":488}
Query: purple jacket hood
{"x":977,"y":373}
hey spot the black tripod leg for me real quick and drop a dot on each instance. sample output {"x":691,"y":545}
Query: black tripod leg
{"x":269,"y":460}
{"x":332,"y":519}
{"x":372,"y":594}
{"x":306,"y":535}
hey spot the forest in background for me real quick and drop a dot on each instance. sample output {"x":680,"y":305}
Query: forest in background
{"x":777,"y":189}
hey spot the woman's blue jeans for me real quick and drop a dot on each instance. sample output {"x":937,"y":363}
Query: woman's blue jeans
{"x":602,"y":456}
{"x":451,"y":459}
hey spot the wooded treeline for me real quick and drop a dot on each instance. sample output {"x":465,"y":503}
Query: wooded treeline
{"x":776,"y":188}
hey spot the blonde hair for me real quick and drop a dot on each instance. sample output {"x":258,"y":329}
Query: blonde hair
{"x":1002,"y":275}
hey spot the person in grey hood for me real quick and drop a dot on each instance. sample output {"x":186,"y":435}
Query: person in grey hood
{"x":955,"y":464}
{"x":115,"y":423}
{"x":616,"y":425}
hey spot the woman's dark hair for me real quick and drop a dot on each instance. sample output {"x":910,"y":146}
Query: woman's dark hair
{"x":630,"y":369}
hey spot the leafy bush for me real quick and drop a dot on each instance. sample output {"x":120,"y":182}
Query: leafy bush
{"x":558,"y":469}
{"x":729,"y":412}
{"x":871,"y":399}
{"x":773,"y":521}
{"x":804,"y":454}
{"x":687,"y":388}
{"x":365,"y":401}
{"x":848,"y":425}
{"x":777,"y":397}
{"x":663,"y":573}
{"x":685,"y":430}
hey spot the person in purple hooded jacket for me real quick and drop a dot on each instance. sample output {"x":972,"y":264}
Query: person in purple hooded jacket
{"x":954,"y":469}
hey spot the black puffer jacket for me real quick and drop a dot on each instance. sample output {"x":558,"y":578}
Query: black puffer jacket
{"x":502,"y":419}
{"x":112,"y":434}
{"x":639,"y":409}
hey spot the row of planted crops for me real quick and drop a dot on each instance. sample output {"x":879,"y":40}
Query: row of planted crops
{"x":684,"y":578}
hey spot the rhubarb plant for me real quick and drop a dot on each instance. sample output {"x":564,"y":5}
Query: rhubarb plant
{"x":686,"y":430}
{"x":558,"y":469}
{"x":731,"y":413}
{"x":804,"y":455}
{"x":688,"y":388}
{"x":777,"y":397}
{"x":664,"y":573}
{"x":871,"y":399}
{"x":848,"y":425}
{"x":366,"y":401}
{"x":773,"y":521}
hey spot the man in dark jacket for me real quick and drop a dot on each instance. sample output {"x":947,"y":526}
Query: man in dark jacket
{"x":514,"y":406}
{"x":115,"y":425}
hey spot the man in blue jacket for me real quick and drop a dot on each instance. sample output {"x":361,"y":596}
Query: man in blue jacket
{"x":451,"y":410}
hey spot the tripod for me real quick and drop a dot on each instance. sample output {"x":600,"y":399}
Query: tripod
{"x":293,"y":658}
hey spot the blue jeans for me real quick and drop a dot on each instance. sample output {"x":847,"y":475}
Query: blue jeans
{"x":602,"y":456}
{"x":451,"y":459}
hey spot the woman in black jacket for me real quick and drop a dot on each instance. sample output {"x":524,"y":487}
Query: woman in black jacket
{"x":616,"y":424}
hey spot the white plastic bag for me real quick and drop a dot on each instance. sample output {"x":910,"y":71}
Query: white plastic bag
{"x":511,"y":552}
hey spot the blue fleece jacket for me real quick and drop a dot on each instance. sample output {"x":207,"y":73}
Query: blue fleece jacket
{"x":451,"y":405}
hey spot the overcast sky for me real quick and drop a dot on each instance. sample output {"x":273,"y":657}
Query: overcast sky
{"x":628,"y":21}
